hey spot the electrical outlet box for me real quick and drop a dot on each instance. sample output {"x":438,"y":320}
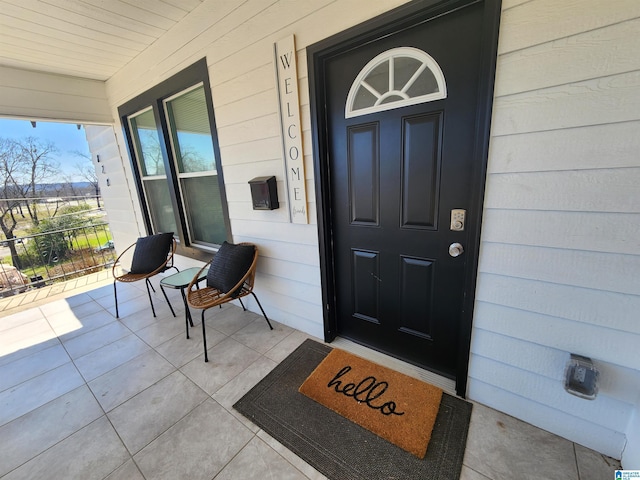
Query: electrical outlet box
{"x":581,"y":377}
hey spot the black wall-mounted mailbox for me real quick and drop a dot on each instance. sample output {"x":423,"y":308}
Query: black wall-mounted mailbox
{"x":264,"y":193}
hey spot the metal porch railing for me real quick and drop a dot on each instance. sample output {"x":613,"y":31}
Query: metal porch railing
{"x":61,"y":255}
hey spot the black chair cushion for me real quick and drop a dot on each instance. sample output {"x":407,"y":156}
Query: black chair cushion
{"x":229,"y":265}
{"x":151,"y":252}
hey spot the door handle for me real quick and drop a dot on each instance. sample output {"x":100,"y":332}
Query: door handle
{"x":456,"y":249}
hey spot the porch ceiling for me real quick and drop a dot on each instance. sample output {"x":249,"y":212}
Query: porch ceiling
{"x":83,"y":38}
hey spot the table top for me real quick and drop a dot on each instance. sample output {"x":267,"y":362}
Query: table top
{"x":183,"y":278}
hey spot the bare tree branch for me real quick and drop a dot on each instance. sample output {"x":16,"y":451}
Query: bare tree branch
{"x":37,"y":167}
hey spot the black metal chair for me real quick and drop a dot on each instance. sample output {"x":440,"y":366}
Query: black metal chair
{"x":232,"y":272}
{"x":152,"y":255}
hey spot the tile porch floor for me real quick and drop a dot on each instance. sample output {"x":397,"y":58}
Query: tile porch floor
{"x":85,"y":396}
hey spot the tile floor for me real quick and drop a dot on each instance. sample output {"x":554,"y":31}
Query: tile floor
{"x":85,"y":396}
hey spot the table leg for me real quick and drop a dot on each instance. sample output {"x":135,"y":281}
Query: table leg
{"x":167,"y":299}
{"x":187,"y":313}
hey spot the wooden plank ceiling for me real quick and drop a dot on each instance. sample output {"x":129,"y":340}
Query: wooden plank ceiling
{"x":83,"y":38}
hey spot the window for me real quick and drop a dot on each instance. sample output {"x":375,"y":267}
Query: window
{"x":151,"y":171}
{"x":395,"y":78}
{"x":175,"y":156}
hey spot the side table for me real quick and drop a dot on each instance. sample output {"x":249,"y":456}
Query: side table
{"x":181,"y":280}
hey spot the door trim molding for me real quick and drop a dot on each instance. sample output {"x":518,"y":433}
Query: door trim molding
{"x":393,"y":21}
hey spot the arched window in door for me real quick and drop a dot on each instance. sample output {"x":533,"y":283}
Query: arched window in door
{"x":396,"y":78}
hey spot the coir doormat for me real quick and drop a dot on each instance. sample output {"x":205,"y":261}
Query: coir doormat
{"x":399,"y":408}
{"x":339,"y":448}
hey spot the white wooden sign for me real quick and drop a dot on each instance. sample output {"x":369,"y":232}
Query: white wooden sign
{"x":287,"y":77}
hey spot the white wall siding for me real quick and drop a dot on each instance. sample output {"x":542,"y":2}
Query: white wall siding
{"x":587,"y":147}
{"x":542,"y":21}
{"x":560,"y":253}
{"x":605,"y":440}
{"x":579,"y":304}
{"x":528,"y":69}
{"x":42,"y":96}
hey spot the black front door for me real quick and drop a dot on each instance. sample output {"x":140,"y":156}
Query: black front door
{"x":399,"y":180}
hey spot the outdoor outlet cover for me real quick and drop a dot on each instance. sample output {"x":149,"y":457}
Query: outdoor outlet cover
{"x":581,"y":377}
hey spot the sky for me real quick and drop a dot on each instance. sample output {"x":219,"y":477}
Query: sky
{"x":65,"y":136}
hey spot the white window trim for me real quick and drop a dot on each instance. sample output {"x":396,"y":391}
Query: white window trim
{"x":388,"y":56}
{"x":204,"y":173}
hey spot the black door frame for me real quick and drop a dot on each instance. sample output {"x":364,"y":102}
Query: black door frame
{"x":317,"y":54}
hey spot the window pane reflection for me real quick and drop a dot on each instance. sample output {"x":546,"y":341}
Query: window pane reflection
{"x":191,"y":135}
{"x":145,"y":135}
{"x":206,"y":218}
{"x":160,"y":205}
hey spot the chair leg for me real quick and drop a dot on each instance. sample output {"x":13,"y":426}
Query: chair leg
{"x":167,"y":299}
{"x":243,"y":307}
{"x":115,"y":295}
{"x":262,"y":310}
{"x":204,"y":338}
{"x":148,"y":283}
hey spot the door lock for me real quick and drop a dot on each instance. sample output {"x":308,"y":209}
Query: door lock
{"x":458,"y":216}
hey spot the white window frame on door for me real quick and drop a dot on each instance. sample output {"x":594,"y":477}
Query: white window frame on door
{"x":426,"y":62}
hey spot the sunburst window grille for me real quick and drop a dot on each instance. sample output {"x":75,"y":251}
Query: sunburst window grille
{"x":396,"y":78}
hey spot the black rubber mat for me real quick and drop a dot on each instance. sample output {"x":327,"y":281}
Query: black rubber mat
{"x":337,"y":447}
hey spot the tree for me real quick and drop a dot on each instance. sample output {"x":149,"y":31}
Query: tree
{"x":59,"y":233}
{"x":23,"y":165}
{"x":37,"y":167}
{"x":151,"y":152}
{"x":194,"y":161}
{"x":9,"y":166}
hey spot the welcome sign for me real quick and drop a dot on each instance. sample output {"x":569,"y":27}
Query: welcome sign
{"x":287,"y":81}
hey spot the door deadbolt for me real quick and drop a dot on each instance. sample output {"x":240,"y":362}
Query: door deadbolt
{"x":456,"y":249}
{"x":458,"y":216}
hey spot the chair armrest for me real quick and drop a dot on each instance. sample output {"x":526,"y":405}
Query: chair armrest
{"x":117,"y":260}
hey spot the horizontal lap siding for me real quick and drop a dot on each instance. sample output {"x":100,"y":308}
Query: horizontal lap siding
{"x":541,"y":21}
{"x":601,"y":190}
{"x":598,"y":101}
{"x":43,"y":96}
{"x":559,"y":266}
{"x":568,"y":149}
{"x":618,"y":384}
{"x":546,"y":417}
{"x":592,"y":231}
{"x":237,"y":40}
{"x":572,"y":303}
